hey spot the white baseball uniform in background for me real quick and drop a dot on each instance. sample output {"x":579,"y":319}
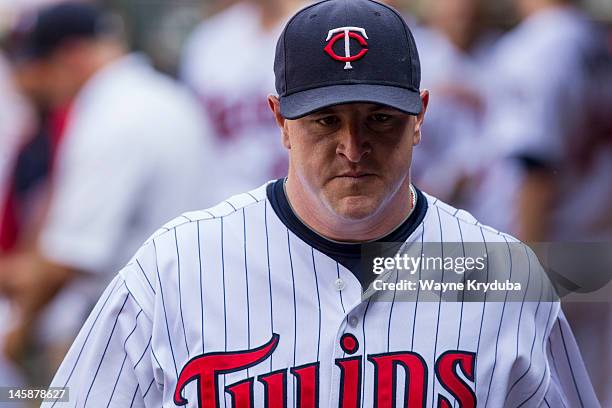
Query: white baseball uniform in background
{"x":540,"y":110}
{"x":537,"y":110}
{"x":134,"y":155}
{"x":227,"y":62}
{"x":242,"y":304}
{"x":457,"y":81}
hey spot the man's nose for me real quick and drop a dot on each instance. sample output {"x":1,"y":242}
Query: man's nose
{"x":353,"y":143}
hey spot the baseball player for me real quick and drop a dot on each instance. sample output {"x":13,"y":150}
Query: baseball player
{"x":454,"y":50}
{"x":132,"y":135}
{"x":260,"y":301}
{"x":14,"y":116}
{"x":554,"y":162}
{"x":226,"y":63}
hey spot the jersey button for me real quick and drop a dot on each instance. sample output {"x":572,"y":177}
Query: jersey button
{"x":353,"y":321}
{"x":339,"y":284}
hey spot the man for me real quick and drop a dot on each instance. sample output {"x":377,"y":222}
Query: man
{"x":261,"y":300}
{"x":132,"y":155}
{"x":226,"y":63}
{"x":559,"y":148}
{"x":14,"y":121}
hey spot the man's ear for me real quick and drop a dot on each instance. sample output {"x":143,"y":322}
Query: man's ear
{"x":274,"y":104}
{"x":420,"y":118}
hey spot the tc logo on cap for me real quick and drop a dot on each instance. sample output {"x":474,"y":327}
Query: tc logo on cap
{"x":347,"y":33}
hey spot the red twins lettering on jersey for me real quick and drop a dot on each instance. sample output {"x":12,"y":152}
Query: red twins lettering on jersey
{"x":207,"y":368}
{"x":347,"y":33}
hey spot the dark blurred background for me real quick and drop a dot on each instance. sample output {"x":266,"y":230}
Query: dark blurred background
{"x":159,"y":27}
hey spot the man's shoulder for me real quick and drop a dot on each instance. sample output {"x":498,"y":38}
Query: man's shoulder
{"x":226,"y":208}
{"x":507,"y":258}
{"x":182,"y":235}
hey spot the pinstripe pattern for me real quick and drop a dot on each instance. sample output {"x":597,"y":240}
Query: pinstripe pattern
{"x":482,"y":314}
{"x":105,"y":350}
{"x":441,"y":239}
{"x":229,"y":277}
{"x":134,"y":396}
{"x":201,"y":273}
{"x":294,"y":305}
{"x":165,"y":315}
{"x":501,"y":320}
{"x":314,"y":270}
{"x":364,"y":345}
{"x":246,"y":278}
{"x":117,"y":380}
{"x":180,"y":296}
{"x":416,"y":303}
{"x":271,"y":308}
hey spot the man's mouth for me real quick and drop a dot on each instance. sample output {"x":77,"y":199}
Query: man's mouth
{"x":355,"y":174}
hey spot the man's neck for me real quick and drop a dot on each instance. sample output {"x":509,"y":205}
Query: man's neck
{"x":101,"y":56}
{"x":322,"y":220}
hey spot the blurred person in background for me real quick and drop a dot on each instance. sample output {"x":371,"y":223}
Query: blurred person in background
{"x":228,"y":62}
{"x":27,"y":186}
{"x":549,"y":151}
{"x":543,"y":119}
{"x":14,"y":127}
{"x":16,"y":124}
{"x":24,"y":174}
{"x":133,"y":155}
{"x":455,"y":51}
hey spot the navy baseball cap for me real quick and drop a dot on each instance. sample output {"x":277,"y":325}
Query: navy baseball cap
{"x":347,"y":51}
{"x":37,"y":36}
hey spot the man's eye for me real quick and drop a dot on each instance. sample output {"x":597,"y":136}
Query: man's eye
{"x":380,"y":117}
{"x":328,"y":120}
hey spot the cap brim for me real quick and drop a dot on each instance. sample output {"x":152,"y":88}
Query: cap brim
{"x":304,"y":103}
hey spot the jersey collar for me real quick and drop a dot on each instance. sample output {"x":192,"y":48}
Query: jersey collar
{"x":347,"y":254}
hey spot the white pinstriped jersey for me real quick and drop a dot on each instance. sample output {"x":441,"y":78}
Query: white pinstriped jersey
{"x":230,"y":307}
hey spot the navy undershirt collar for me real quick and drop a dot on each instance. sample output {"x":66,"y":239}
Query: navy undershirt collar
{"x":347,"y":254}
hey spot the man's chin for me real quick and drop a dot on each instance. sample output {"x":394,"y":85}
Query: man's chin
{"x":356,"y":208}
